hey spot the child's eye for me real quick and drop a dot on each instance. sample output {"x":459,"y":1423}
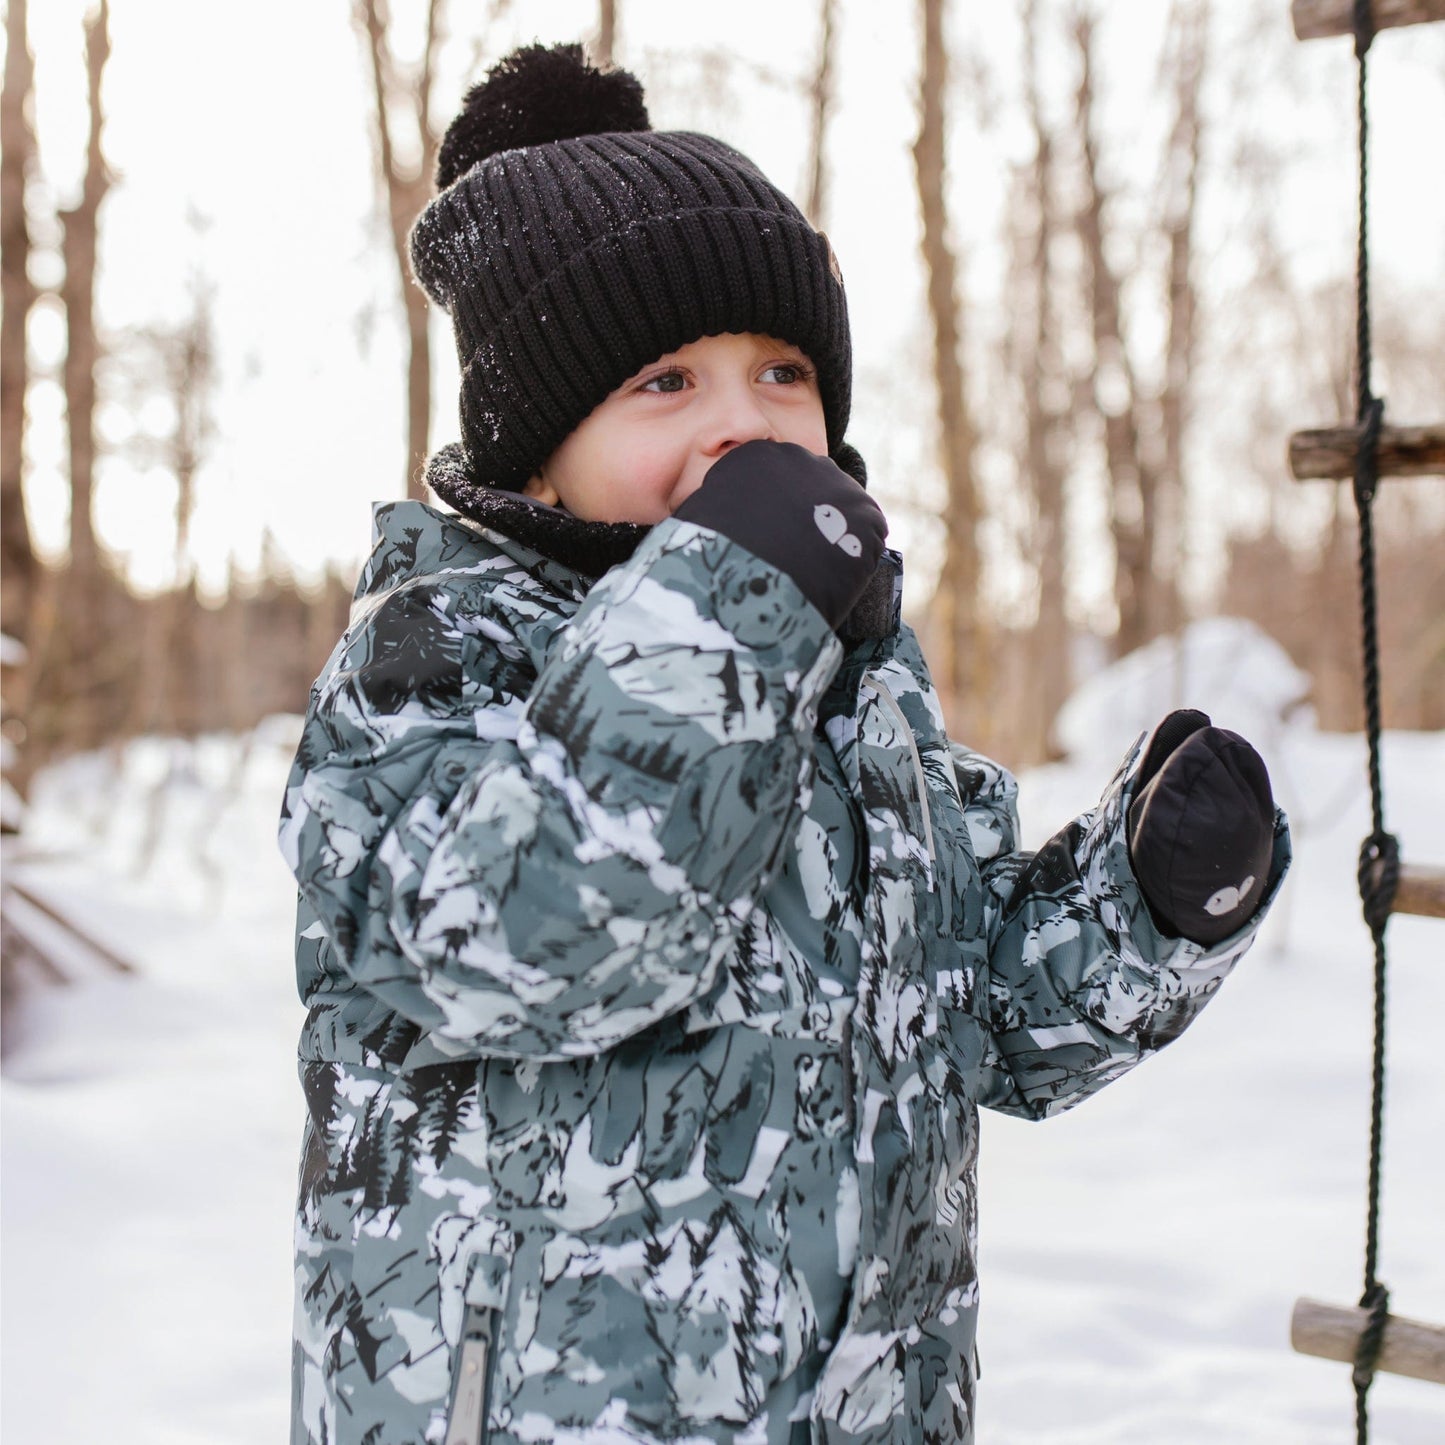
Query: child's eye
{"x":793,"y":372}
{"x":664,"y":383}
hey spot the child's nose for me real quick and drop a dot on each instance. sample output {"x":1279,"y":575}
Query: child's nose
{"x":736,"y":416}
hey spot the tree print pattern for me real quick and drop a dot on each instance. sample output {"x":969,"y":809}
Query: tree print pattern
{"x":653,"y":1014}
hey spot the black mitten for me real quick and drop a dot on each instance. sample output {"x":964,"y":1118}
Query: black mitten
{"x":1201,"y":828}
{"x":799,"y":512}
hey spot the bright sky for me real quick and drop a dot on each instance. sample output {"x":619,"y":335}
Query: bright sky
{"x":261,"y":126}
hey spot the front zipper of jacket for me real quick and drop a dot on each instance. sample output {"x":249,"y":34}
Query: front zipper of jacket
{"x":875,"y":684}
{"x":472,"y":1380}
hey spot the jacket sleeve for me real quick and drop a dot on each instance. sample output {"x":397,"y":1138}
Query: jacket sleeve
{"x":1079,"y":985}
{"x":542,"y":878}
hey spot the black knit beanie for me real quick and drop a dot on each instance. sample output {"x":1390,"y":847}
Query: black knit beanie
{"x":572,"y":245}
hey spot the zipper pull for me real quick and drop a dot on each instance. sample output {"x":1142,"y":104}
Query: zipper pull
{"x":471,"y":1388}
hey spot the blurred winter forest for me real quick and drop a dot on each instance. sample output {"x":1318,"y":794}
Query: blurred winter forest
{"x":1100,"y":259}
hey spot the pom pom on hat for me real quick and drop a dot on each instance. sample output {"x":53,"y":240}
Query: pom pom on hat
{"x":538,"y":94}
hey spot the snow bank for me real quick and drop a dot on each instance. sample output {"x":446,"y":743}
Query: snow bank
{"x":1224,"y":666}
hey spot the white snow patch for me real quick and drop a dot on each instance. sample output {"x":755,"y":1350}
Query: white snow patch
{"x":1224,"y":666}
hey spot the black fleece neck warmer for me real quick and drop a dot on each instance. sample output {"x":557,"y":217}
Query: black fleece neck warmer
{"x":593,"y":548}
{"x":590,"y":548}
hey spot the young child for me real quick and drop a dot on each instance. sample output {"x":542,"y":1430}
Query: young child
{"x":659,"y":946}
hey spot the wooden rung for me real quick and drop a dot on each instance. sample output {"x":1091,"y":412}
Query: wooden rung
{"x":1420,"y":891}
{"x":1332,"y":1333}
{"x":1328,"y":453}
{"x":1315,"y":18}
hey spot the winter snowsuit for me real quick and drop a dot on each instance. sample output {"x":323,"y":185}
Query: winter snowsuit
{"x":659,"y":951}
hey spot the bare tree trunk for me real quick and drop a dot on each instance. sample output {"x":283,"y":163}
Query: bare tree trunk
{"x":406,"y":190}
{"x":1190,"y":23}
{"x":1044,"y":377}
{"x":188,"y":377}
{"x":1333,"y":667}
{"x":170,"y":696}
{"x":1133,"y":484}
{"x":238,"y":681}
{"x":78,"y":292}
{"x":821,"y":93}
{"x":604,"y":48}
{"x":962,"y":673}
{"x":17,"y":151}
{"x":74,"y":628}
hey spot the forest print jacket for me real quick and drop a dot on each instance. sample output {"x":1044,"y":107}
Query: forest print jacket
{"x":659,"y":952}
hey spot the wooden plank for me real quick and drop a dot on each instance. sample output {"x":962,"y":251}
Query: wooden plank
{"x":29,"y":899}
{"x":1420,"y":891}
{"x":1316,"y":18}
{"x":1328,"y":453}
{"x":1331,"y":1333}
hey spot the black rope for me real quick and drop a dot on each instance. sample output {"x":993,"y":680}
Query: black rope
{"x":1379,"y":869}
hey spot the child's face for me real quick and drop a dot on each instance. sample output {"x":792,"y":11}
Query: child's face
{"x":645,"y":449}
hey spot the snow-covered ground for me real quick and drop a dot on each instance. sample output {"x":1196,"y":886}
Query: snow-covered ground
{"x":1140,"y":1256}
